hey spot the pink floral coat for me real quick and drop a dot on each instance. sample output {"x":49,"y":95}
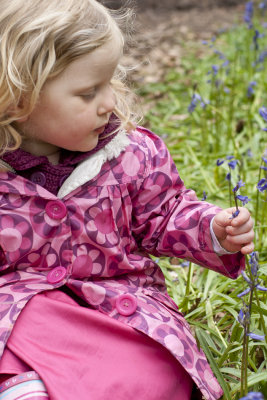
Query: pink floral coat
{"x":95,"y":237}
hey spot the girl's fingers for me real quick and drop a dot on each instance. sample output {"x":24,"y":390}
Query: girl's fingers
{"x":245,"y":238}
{"x":240,"y":229}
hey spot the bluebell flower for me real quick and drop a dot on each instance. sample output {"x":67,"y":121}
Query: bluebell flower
{"x":249,"y":13}
{"x":184,"y":264}
{"x":215,"y":69}
{"x":255,"y":39}
{"x":232,"y":164}
{"x":264,"y":159}
{"x":220,"y":161}
{"x":249,"y":153}
{"x":228,"y":176}
{"x":263,"y":5}
{"x":229,"y":157}
{"x":255,"y":336}
{"x":263,"y":113}
{"x":204,"y":196}
{"x":252,"y":284}
{"x":254,"y":263}
{"x":262,"y":185}
{"x":196,"y":98}
{"x":253,"y":396}
{"x":250,"y":90}
{"x":243,"y":199}
{"x":262,"y":56}
{"x":244,"y":316}
{"x":239,"y":184}
{"x":235,"y":214}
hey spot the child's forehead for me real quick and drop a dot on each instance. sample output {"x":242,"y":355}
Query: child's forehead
{"x":92,"y":67}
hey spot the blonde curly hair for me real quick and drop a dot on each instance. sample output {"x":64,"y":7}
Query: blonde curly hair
{"x":38,"y":40}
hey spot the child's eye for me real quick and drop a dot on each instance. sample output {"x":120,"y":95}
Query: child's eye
{"x":88,"y":96}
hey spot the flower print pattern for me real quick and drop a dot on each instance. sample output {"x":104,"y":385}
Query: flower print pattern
{"x":44,"y":226}
{"x":15,"y":236}
{"x":99,"y":224}
{"x":89,"y":261}
{"x":136,"y":206}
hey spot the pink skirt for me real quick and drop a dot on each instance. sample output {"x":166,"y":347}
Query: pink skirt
{"x":82,"y":354}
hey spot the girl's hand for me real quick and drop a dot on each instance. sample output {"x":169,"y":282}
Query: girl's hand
{"x":234,"y":234}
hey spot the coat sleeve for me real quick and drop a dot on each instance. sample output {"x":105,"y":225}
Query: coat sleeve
{"x":169,"y":220}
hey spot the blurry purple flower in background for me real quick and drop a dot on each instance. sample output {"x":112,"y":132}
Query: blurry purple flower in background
{"x":249,"y":14}
{"x":233,"y":163}
{"x":253,"y":396}
{"x":250,"y":90}
{"x":196,"y":98}
{"x":262,"y":185}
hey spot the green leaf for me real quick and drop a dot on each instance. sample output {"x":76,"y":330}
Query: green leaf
{"x":202,"y":337}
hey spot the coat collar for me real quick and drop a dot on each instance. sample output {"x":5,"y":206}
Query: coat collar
{"x":84,"y":172}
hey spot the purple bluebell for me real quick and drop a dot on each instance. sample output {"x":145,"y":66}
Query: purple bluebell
{"x":196,"y":98}
{"x":255,"y":39}
{"x":255,"y":336}
{"x":262,"y":55}
{"x":215,"y":69}
{"x":235,"y":214}
{"x":254,"y":263}
{"x":229,"y":157}
{"x":249,"y":13}
{"x":263,"y":5}
{"x":249,"y":153}
{"x":264,"y":159}
{"x":254,"y":282}
{"x":204,"y":197}
{"x":263,"y":113}
{"x":184,"y":264}
{"x":243,"y":199}
{"x":253,"y":396}
{"x":244,"y":315}
{"x":239,"y":184}
{"x":220,"y":161}
{"x":232,"y":164}
{"x":250,"y":90}
{"x":228,"y":176}
{"x":262,"y":185}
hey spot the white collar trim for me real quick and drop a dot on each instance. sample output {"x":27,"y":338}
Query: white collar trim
{"x":90,"y":167}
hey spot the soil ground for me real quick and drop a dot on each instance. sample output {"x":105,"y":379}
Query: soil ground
{"x":161,"y":35}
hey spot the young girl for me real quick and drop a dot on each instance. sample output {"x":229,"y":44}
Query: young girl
{"x":85,"y":199}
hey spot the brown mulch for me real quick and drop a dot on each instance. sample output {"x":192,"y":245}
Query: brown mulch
{"x":161,"y":37}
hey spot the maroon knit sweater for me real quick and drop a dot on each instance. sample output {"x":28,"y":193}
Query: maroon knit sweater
{"x":41,"y":171}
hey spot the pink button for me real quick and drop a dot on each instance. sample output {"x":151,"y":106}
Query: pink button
{"x":55,"y":209}
{"x":126,"y":304}
{"x":56,"y":275}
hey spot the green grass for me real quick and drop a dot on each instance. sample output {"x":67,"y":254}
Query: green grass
{"x":229,"y":124}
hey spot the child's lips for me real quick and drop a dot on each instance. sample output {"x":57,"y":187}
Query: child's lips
{"x":100,"y":130}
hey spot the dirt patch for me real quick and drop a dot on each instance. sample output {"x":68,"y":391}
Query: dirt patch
{"x":161,"y":37}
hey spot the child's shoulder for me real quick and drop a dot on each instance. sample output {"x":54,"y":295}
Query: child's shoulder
{"x":146,"y":140}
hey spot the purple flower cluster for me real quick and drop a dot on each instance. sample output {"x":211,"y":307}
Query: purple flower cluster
{"x":263,"y":114}
{"x":253,"y":396}
{"x":249,"y":14}
{"x":195,"y":100}
{"x":253,"y":283}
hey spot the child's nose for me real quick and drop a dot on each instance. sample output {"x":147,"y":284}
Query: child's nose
{"x":108,"y":102}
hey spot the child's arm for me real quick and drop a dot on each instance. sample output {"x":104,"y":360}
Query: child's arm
{"x":234,"y":234}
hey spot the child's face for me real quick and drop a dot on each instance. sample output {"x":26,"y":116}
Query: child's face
{"x":74,"y":107}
